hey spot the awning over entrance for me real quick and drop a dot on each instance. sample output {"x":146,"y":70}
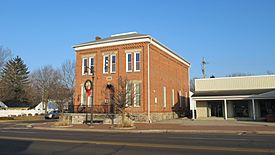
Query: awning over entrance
{"x":235,"y":94}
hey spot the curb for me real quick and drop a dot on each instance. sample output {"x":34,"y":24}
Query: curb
{"x":239,"y":132}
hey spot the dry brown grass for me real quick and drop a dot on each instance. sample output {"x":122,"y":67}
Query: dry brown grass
{"x":61,"y":123}
{"x":29,"y":118}
{"x":22,"y":118}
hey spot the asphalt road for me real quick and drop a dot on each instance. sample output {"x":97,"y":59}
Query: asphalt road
{"x":22,"y":124}
{"x":29,"y":141}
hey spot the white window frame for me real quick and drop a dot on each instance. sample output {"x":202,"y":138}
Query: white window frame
{"x":127,"y":67}
{"x":135,"y":94}
{"x":129,"y":94}
{"x":90,"y":64}
{"x":104,"y":56}
{"x":89,"y":101}
{"x":83,"y":68}
{"x":180,"y":98}
{"x":164,"y":97}
{"x":135,"y":61}
{"x":173,"y":97}
{"x":82,"y":96}
{"x":111,"y":63}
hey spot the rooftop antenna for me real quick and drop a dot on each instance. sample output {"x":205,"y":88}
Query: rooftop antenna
{"x":203,"y":67}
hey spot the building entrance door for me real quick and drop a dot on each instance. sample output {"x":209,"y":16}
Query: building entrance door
{"x":109,"y":97}
{"x":216,"y":108}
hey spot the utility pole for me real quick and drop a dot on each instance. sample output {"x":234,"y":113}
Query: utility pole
{"x":203,"y":68}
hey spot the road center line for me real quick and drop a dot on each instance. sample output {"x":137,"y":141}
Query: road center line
{"x":28,"y":132}
{"x":219,"y":139}
{"x":222,"y":139}
{"x":147,"y":145}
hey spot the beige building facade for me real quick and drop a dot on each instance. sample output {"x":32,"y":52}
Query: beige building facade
{"x":242,"y":98}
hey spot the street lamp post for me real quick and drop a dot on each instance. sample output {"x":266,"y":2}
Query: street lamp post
{"x":92,"y":100}
{"x":91,"y":96}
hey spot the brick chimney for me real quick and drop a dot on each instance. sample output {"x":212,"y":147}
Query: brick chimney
{"x":97,"y":38}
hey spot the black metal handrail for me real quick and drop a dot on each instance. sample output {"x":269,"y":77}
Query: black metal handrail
{"x":97,"y":109}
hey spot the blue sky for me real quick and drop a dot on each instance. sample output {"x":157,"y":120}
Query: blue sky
{"x":235,"y":36}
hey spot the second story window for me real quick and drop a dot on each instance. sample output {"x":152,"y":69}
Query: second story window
{"x":113,"y":63}
{"x":128,"y":62}
{"x":137,"y":62}
{"x":84,"y":66}
{"x":92,"y":65}
{"x":105,"y":63}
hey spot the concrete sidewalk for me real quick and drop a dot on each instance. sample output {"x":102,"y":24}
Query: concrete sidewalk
{"x":174,"y":126}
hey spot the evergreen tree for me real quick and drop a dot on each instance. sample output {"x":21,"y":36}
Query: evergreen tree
{"x":15,"y":80}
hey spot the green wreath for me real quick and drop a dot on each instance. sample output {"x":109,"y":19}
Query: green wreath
{"x":90,"y":84}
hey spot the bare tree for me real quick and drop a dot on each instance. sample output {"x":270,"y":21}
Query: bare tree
{"x":192,"y":84}
{"x":5,"y":54}
{"x":46,"y":81}
{"x":67,"y":72}
{"x":122,"y":97}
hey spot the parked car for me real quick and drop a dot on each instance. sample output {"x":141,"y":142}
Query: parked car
{"x":52,"y":115}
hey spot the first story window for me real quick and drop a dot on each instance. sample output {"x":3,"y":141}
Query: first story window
{"x":137,"y":94}
{"x":133,"y":93}
{"x":83,"y":96}
{"x":180,"y":98}
{"x":164,"y":97}
{"x":105,"y":63}
{"x":173,"y":97}
{"x":129,"y":93}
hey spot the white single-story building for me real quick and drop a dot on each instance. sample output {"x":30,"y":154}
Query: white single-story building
{"x":3,"y":106}
{"x":247,"y":97}
{"x":51,"y":106}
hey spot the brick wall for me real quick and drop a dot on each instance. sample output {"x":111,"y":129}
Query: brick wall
{"x":164,"y":71}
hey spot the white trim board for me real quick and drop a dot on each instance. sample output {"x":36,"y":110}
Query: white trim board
{"x":229,"y":98}
{"x":137,"y":40}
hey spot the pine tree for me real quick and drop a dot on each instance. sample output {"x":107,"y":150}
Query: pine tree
{"x":15,"y":80}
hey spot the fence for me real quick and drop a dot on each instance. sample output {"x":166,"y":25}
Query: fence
{"x":97,"y":109}
{"x":9,"y":113}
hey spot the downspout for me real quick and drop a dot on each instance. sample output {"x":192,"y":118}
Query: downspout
{"x":148,"y":84}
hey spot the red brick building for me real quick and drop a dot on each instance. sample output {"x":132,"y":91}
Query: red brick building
{"x":159,"y":77}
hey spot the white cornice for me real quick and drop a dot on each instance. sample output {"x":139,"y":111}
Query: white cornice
{"x":136,"y":40}
{"x":111,"y":43}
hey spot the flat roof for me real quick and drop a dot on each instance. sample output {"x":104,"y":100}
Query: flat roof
{"x":236,"y":83}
